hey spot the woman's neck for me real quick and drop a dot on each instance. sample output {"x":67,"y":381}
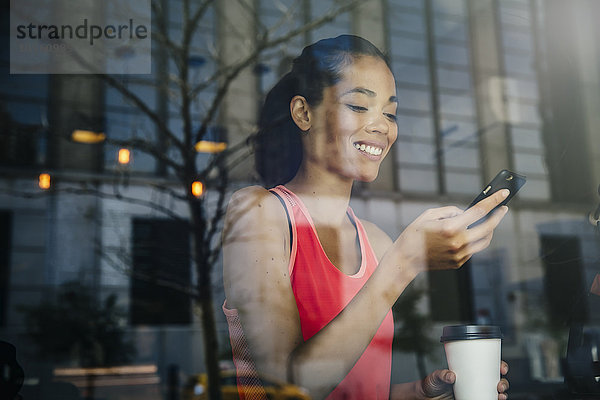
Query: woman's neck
{"x":325,"y":195}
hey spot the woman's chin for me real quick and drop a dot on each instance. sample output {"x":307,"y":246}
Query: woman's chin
{"x":368,"y":178}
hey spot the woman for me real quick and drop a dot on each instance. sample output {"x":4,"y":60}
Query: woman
{"x":309,"y":286}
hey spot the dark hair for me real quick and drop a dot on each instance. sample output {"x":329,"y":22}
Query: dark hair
{"x":278,"y":148}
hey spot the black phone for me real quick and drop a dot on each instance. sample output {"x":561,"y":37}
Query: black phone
{"x":504,"y":180}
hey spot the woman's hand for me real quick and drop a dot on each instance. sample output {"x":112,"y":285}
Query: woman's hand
{"x":438,"y":384}
{"x":443,"y":238}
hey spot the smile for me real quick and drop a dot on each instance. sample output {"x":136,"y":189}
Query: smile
{"x":372,"y":150}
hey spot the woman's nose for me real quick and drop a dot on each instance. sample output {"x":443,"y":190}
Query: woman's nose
{"x":378,"y":124}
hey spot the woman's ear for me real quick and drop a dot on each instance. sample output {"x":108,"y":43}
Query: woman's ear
{"x":300,"y":112}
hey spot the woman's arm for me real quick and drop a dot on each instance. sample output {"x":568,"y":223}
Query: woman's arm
{"x":255,"y":273}
{"x":256,"y":257}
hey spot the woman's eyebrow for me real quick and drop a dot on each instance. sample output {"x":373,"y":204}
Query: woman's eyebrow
{"x":367,"y":92}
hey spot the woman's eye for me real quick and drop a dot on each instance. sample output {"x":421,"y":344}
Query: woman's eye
{"x":392,"y":117}
{"x":356,"y":108}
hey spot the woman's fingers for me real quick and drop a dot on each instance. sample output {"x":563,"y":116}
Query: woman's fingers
{"x":503,"y":368}
{"x":483,"y":208}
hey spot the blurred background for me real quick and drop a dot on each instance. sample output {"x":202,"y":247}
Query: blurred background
{"x":112,"y":188}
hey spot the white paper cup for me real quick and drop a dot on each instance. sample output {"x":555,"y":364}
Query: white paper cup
{"x":473,"y":354}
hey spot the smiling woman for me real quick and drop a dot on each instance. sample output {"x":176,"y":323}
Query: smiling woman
{"x":309,"y":285}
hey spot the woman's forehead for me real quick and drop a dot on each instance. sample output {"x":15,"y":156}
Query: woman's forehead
{"x":367,"y":75}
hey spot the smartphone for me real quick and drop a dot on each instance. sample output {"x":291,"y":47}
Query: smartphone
{"x":504,"y":180}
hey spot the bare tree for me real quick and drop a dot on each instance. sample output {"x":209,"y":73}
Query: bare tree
{"x":176,"y":151}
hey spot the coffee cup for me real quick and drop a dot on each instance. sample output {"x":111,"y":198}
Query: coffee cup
{"x":473,"y":354}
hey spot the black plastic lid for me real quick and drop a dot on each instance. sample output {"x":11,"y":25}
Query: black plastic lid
{"x":468,"y":332}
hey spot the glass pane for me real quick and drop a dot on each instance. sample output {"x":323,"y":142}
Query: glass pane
{"x":452,"y":54}
{"x":415,"y":152}
{"x":517,"y":40}
{"x":461,"y":156}
{"x":455,"y":7}
{"x":449,"y":28}
{"x":340,"y":25}
{"x":522,"y":88}
{"x":530,"y":163}
{"x":526,"y":138}
{"x":457,"y":105}
{"x":416,"y":4}
{"x":410,"y":72}
{"x":453,"y":79}
{"x":401,"y":21}
{"x":408,"y":47}
{"x":24,"y":85}
{"x":413,"y":99}
{"x":535,"y":189}
{"x":463,"y":183}
{"x":410,"y":125}
{"x":453,"y":131}
{"x":519,"y":64}
{"x":523,"y":113}
{"x":417,"y":180}
{"x":519,"y":15}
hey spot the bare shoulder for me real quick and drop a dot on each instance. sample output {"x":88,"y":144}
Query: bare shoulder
{"x":255,"y":246}
{"x":379,"y":240}
{"x":253,"y":209}
{"x":252,"y":198}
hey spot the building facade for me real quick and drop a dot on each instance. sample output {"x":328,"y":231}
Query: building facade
{"x":483,"y":85}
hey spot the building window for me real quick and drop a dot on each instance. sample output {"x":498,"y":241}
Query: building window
{"x":438,"y":147}
{"x":518,"y":50}
{"x":161,"y":272}
{"x":23,"y":108}
{"x":564,"y":280}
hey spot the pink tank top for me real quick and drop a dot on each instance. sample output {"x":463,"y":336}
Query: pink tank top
{"x":322,"y":291}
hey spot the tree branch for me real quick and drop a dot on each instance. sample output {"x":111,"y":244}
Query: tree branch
{"x":227,"y":74}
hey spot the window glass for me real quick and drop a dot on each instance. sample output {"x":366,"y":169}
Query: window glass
{"x":536,"y":189}
{"x":451,"y":54}
{"x":455,"y":131}
{"x":413,"y":125}
{"x":411,"y":4}
{"x":453,"y":79}
{"x":457,"y":105}
{"x":450,"y":28}
{"x":339,"y":26}
{"x":409,"y":47}
{"x":417,"y":100}
{"x":410,"y":71}
{"x":462,"y":182}
{"x":414,"y":152}
{"x":417,"y":180}
{"x":530,"y":163}
{"x":406,"y":22}
{"x":526,"y":138}
{"x":461,"y":156}
{"x":453,"y":7}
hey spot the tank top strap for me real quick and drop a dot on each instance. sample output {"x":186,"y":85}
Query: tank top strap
{"x":289,"y":202}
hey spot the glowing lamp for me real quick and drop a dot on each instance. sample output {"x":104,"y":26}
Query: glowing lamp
{"x":89,"y":137}
{"x":206,"y":146}
{"x":44,"y":181}
{"x":124,"y":156}
{"x":197,"y":188}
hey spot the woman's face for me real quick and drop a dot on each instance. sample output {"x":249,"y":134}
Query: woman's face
{"x":353,"y":128}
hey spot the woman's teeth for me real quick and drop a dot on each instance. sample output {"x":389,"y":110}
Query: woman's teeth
{"x":374,"y":151}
